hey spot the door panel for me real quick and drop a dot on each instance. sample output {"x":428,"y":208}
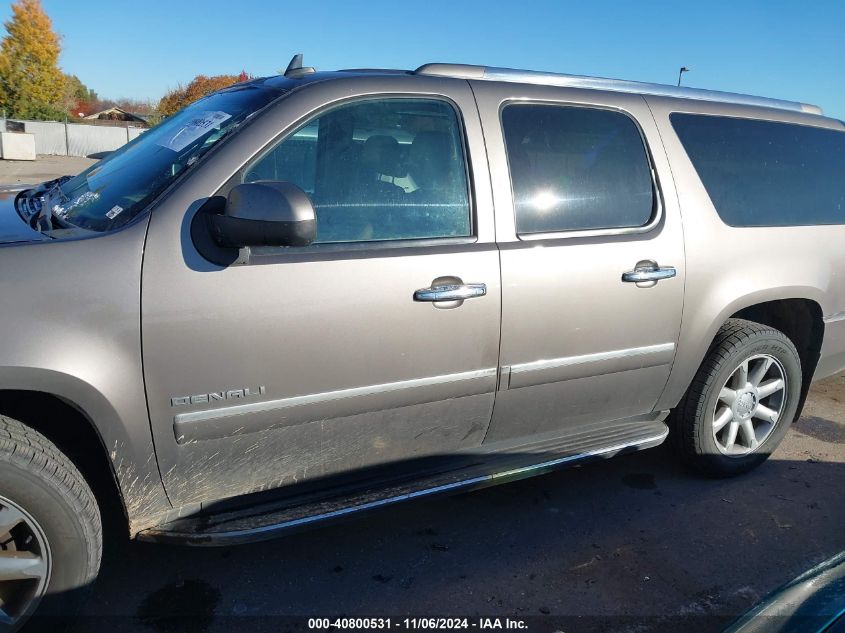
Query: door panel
{"x":312,"y":362}
{"x":579,"y":345}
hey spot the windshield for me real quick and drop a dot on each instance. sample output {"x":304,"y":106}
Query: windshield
{"x":113,"y":191}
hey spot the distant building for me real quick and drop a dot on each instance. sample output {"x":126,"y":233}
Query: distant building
{"x":119,"y":114}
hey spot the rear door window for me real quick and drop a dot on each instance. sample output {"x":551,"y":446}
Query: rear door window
{"x":575,"y":169}
{"x":767,"y":173}
{"x":380,"y":169}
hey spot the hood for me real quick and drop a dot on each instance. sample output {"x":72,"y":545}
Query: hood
{"x":12,"y":227}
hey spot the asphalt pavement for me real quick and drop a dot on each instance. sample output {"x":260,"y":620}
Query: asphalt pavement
{"x":632,"y":544}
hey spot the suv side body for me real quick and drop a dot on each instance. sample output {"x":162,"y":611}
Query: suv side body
{"x":221,"y":386}
{"x":95,"y":364}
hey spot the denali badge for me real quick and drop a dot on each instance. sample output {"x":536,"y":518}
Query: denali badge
{"x":215,"y":396}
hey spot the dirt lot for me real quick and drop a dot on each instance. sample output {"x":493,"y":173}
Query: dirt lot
{"x":632,"y":544}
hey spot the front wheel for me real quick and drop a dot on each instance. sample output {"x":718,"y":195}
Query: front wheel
{"x":50,"y":530}
{"x":741,"y":402}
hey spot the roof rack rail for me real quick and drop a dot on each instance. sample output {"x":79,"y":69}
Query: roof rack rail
{"x":490,"y":73}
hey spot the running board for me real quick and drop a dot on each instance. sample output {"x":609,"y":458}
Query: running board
{"x":269,"y":520}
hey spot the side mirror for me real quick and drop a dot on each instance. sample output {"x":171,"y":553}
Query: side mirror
{"x":265,"y":213}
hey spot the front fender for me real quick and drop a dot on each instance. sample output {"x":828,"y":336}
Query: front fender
{"x":72,"y":328}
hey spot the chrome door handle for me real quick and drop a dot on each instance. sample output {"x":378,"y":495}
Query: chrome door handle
{"x":645,"y":274}
{"x":451,"y":292}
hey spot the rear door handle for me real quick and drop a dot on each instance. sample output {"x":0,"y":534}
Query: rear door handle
{"x":649,"y":272}
{"x":451,"y":292}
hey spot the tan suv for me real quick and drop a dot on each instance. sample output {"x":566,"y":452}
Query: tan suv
{"x":311,"y":295}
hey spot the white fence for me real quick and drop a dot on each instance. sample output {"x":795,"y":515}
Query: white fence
{"x":77,"y":139}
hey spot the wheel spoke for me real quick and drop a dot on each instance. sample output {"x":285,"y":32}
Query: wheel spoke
{"x":760,"y":371}
{"x":722,"y":419}
{"x":728,"y":396}
{"x":749,"y":434}
{"x":765,"y":413}
{"x":21,"y":566}
{"x":9,"y":518}
{"x":769,"y":387}
{"x":742,"y":375}
{"x":733,"y":429}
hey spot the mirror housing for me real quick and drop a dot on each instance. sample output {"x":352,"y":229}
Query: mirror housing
{"x":265,"y":213}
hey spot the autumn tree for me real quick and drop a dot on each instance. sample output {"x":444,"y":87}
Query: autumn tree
{"x":31,"y":84}
{"x":199,"y":87}
{"x":79,"y":99}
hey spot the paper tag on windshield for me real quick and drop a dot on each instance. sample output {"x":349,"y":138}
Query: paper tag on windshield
{"x":194,"y":128}
{"x":115,"y":211}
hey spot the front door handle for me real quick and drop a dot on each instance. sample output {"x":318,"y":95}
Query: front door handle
{"x":648,"y":272}
{"x":450,"y":292}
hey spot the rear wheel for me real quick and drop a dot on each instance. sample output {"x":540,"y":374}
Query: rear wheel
{"x":50,"y":531}
{"x":741,"y":402}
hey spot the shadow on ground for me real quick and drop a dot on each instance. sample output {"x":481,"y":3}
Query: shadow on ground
{"x":633,"y":543}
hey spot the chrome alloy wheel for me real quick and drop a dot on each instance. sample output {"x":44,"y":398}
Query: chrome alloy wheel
{"x":749,"y":405}
{"x":24,"y":564}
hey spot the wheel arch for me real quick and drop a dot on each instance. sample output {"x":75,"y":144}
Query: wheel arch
{"x":780,"y":307}
{"x":80,"y":420}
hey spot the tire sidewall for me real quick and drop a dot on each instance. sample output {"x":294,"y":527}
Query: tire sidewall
{"x":73,"y":557}
{"x":785,"y":353}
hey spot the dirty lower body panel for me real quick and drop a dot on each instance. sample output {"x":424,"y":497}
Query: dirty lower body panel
{"x":232,"y":523}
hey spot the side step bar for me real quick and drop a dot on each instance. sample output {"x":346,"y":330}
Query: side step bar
{"x":270,"y":520}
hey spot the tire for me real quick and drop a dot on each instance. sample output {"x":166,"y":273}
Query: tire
{"x":701,"y":424}
{"x":56,"y":519}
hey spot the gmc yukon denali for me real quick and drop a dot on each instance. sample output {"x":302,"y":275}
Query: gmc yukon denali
{"x":311,"y":295}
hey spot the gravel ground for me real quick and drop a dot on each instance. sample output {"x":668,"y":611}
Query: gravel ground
{"x":631,"y":544}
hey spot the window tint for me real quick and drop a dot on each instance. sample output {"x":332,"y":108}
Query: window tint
{"x":377,"y":170}
{"x":575,"y":169}
{"x":765,"y":173}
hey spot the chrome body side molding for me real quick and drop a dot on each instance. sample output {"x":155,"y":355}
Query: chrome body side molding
{"x":259,"y":416}
{"x":552,"y":370}
{"x":835,"y":318}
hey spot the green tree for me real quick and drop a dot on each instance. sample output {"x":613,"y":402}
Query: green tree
{"x":78,"y":91}
{"x":31,"y":84}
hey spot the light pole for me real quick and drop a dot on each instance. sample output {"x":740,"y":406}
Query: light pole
{"x":681,"y":72}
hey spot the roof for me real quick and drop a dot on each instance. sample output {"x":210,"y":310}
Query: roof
{"x":297,"y":72}
{"x":123,"y":114}
{"x":490,"y":73}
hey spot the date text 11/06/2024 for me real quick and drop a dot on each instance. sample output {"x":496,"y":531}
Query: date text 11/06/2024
{"x":417,"y":623}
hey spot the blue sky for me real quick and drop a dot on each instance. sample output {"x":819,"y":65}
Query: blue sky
{"x":790,"y":50}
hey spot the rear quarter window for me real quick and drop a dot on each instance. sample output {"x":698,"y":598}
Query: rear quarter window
{"x":767,"y":173}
